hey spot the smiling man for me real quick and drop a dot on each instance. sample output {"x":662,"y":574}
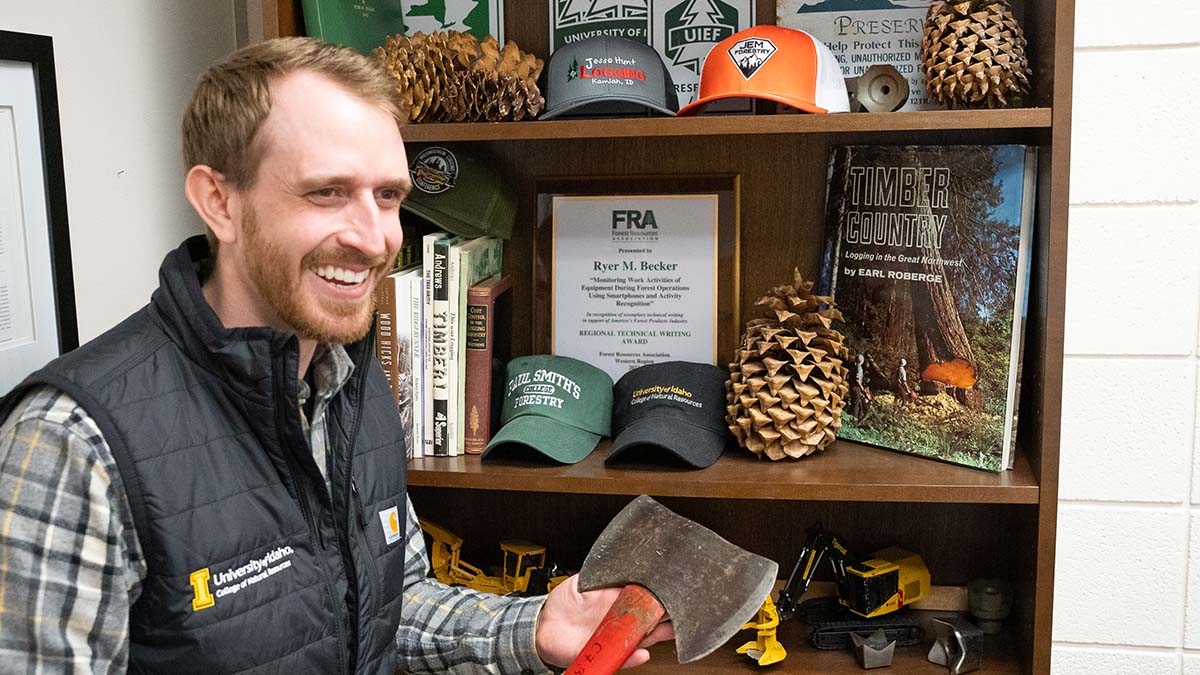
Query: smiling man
{"x":217,"y":484}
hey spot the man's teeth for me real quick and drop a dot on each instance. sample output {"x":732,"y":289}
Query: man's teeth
{"x":343,"y":275}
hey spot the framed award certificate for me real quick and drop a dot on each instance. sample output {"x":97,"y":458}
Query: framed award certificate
{"x":642,"y":271}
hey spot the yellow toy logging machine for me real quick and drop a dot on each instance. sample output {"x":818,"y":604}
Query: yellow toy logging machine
{"x":891,"y":579}
{"x":524,"y":571}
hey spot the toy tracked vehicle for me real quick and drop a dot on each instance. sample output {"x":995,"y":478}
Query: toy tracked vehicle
{"x":891,"y":579}
{"x":524,"y":571}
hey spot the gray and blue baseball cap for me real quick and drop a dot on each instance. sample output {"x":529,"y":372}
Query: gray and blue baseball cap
{"x":608,"y":76}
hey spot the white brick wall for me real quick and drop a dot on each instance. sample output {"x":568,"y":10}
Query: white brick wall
{"x":1092,"y":661}
{"x":1127,"y":587}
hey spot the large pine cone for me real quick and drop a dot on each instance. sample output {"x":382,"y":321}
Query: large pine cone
{"x":453,"y":77}
{"x":973,"y":54}
{"x":787,"y":388}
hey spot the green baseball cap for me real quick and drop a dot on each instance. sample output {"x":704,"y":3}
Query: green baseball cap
{"x":559,"y":406}
{"x":459,"y":192}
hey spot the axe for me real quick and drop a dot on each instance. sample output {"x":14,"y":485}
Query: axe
{"x":663,"y":561}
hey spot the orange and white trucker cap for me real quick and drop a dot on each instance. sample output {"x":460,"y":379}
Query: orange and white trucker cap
{"x":775,"y":63}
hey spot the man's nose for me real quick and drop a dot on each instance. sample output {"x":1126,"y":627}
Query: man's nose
{"x":365,"y":227}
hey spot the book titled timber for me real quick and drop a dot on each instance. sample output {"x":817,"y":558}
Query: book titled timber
{"x":926,"y":254}
{"x":489,"y":318}
{"x":437,"y":328}
{"x":360,"y":24}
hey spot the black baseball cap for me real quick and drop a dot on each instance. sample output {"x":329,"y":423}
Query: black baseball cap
{"x":677,"y":407}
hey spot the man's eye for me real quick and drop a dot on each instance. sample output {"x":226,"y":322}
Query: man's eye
{"x":325,"y":192}
{"x":389,"y":197}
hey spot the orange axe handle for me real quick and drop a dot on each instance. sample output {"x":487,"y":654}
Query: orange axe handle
{"x":632,"y":616}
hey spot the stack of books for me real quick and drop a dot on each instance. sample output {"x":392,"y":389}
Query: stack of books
{"x":437,"y":342}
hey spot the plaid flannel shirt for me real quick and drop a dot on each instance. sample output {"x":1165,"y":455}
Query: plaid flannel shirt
{"x":71,"y":565}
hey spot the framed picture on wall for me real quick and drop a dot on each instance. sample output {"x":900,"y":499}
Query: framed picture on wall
{"x":37,"y":294}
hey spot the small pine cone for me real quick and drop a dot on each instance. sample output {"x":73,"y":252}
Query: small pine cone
{"x":788,"y":384}
{"x":973,"y":54}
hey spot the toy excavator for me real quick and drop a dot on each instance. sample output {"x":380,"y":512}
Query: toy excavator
{"x":891,"y":579}
{"x":524,"y":571}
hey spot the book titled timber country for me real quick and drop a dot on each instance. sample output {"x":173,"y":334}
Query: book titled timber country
{"x":926,"y":254}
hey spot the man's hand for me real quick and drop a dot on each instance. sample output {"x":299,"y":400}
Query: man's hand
{"x":569,"y":617}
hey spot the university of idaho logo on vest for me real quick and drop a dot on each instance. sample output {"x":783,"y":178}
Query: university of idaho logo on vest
{"x":236,"y":578}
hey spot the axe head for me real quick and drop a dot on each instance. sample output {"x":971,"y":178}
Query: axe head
{"x":708,"y":586}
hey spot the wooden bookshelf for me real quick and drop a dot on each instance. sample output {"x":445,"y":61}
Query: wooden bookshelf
{"x":734,"y":125}
{"x":845,"y":472}
{"x":966,"y":524}
{"x":803,"y":659}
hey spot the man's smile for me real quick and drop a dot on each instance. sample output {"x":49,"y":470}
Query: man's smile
{"x":341,"y":275}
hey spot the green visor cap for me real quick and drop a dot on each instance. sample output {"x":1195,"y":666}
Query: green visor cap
{"x":559,"y":406}
{"x":459,"y":192}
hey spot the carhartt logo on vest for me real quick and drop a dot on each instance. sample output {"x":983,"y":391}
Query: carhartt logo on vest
{"x":390,"y":518}
{"x":237,"y":578}
{"x":555,"y":405}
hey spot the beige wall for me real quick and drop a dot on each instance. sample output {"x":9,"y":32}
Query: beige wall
{"x":125,"y":69}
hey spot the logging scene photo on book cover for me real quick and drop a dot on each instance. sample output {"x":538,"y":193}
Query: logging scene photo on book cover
{"x":926,"y":256}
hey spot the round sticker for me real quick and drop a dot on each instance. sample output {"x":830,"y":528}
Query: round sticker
{"x":434,"y":170}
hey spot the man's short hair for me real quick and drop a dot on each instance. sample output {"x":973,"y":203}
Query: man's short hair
{"x":233,"y":98}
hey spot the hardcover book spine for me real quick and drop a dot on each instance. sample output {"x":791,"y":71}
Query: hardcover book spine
{"x":480,"y":341}
{"x":416,"y":355}
{"x":440,"y":345}
{"x":453,"y":370}
{"x":427,"y":244}
{"x":402,"y":385}
{"x":480,"y":260}
{"x":385,"y":331}
{"x":1012,"y":407}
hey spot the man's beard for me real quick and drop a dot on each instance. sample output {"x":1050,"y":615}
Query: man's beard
{"x":278,"y":284}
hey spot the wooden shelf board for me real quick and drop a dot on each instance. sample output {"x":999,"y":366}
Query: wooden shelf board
{"x":999,"y":658}
{"x":845,"y":472}
{"x":718,"y":125}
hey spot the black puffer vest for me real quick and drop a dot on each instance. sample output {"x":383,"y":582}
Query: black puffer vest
{"x":253,"y":566}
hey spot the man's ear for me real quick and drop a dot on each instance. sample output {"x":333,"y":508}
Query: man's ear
{"x":215,"y":200}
